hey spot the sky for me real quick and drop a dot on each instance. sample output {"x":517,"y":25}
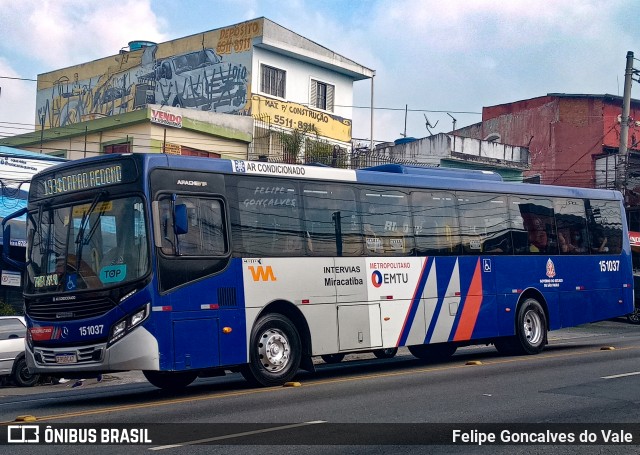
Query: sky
{"x":435,"y":61}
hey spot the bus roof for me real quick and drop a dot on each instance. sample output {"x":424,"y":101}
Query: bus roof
{"x":446,"y":172}
{"x":392,"y":174}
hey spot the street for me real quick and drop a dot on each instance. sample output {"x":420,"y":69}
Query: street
{"x":588,"y":376}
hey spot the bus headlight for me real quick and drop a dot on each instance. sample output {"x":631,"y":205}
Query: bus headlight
{"x":124,"y":326}
{"x":118,"y":330}
{"x":138,"y":317}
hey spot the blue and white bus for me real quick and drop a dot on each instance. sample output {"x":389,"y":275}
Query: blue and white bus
{"x":184,"y":267}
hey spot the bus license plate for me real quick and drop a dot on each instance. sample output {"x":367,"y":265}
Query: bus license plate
{"x":66,"y":358}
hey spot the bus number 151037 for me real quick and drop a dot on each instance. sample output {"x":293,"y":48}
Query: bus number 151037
{"x":609,"y":266}
{"x":91,"y":330}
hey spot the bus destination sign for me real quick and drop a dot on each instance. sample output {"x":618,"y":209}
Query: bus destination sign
{"x":73,"y":180}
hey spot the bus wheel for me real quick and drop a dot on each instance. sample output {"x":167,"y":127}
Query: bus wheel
{"x":170,"y":380}
{"x":21,"y":376}
{"x":634,"y":318}
{"x":531,"y":331}
{"x":385,"y":353}
{"x":433,"y":352}
{"x":332,"y":358}
{"x":274,"y":351}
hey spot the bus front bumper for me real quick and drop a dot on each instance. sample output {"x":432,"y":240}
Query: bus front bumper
{"x":136,"y":351}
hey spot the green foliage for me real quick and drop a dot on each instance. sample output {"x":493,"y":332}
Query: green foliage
{"x":7,"y":310}
{"x":292,"y":142}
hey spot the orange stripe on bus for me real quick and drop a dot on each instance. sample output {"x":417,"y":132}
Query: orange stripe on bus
{"x":471,"y":307}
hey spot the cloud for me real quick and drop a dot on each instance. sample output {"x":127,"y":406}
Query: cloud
{"x":454,"y":56}
{"x":462,"y":56}
{"x":57,"y":34}
{"x":17,"y":102}
{"x":46,"y":35}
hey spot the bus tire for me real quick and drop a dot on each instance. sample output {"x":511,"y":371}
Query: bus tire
{"x":21,"y":375}
{"x":531,"y":331}
{"x":634,"y":317}
{"x":433,"y":352}
{"x":388,"y":353}
{"x":274,"y":351}
{"x":332,"y":358}
{"x":170,"y":380}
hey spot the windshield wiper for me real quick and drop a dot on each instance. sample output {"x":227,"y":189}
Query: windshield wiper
{"x":84,"y":221}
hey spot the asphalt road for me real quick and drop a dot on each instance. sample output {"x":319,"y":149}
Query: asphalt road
{"x":588,"y":379}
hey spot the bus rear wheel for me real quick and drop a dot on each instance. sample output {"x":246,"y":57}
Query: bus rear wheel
{"x":433,"y":352}
{"x":531,"y":331}
{"x":170,"y":380}
{"x":274,"y":351}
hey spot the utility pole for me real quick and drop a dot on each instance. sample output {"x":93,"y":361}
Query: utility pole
{"x":406,"y":109}
{"x":623,"y":153}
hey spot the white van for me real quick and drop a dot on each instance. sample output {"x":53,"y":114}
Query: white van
{"x":13,"y":330}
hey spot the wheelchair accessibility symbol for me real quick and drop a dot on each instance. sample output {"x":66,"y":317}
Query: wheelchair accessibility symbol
{"x":486,"y":265}
{"x":71,"y":282}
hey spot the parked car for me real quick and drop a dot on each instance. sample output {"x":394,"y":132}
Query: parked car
{"x":13,"y":364}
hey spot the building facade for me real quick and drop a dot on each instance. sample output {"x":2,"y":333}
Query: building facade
{"x":452,"y":151}
{"x":151,"y":129}
{"x":573,"y":139}
{"x":255,"y":69}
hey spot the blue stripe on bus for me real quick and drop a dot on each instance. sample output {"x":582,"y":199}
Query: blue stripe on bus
{"x":415,"y":301}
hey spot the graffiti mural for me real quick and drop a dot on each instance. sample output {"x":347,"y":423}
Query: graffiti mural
{"x":212,"y":72}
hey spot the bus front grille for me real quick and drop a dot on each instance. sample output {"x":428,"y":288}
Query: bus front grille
{"x":69,"y":310}
{"x":89,"y":354}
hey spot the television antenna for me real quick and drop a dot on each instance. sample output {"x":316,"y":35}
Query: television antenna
{"x":429,"y":125}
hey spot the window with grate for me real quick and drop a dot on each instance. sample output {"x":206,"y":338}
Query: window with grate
{"x":188,"y":151}
{"x":117,"y":148}
{"x":273,"y":81}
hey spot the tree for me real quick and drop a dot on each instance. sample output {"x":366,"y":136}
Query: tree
{"x":293,"y":141}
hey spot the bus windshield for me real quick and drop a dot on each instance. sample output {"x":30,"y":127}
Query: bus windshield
{"x":86,"y":246}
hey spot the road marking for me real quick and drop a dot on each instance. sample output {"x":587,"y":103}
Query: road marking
{"x":238,"y":435}
{"x":315,"y":383}
{"x":624,"y":375}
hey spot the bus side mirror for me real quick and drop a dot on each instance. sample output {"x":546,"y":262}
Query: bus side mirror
{"x":180,"y":220}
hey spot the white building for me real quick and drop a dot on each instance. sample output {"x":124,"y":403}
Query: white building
{"x":256,"y":68}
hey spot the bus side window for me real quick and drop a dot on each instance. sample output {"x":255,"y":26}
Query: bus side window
{"x":605,"y":226}
{"x":572,"y":225}
{"x":533,"y":227}
{"x":435,"y":223}
{"x":484,"y":223}
{"x":266,"y":218}
{"x":204,"y":235}
{"x":386,"y":222}
{"x":324,"y":207}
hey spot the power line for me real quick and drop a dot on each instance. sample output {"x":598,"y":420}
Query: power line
{"x":18,"y":78}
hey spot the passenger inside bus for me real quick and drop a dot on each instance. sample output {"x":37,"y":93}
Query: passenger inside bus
{"x":600,"y":245}
{"x":577,"y":241}
{"x":538,"y":239}
{"x":564,"y":240}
